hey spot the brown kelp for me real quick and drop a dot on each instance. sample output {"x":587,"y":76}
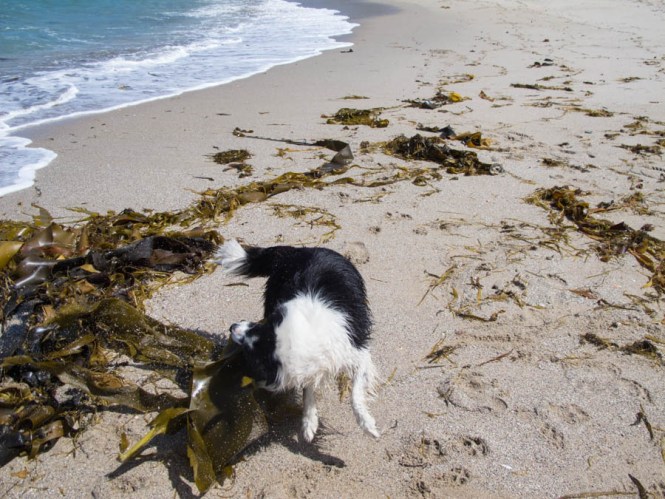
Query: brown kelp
{"x":230,"y":156}
{"x":441,"y":98}
{"x":222,"y":418}
{"x":643,"y":347}
{"x":613,"y":239}
{"x":435,"y":149}
{"x":69,"y":311}
{"x":81,"y":325}
{"x":235,"y":159}
{"x":350,"y":117}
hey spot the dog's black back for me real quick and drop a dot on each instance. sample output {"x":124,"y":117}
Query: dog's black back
{"x":318,"y":271}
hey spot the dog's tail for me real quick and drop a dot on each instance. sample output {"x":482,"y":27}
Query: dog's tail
{"x":247,"y":262}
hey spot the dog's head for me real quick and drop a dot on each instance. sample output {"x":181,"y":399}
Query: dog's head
{"x":257,"y":340}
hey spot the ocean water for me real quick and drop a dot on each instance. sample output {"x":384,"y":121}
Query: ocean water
{"x":60,"y":58}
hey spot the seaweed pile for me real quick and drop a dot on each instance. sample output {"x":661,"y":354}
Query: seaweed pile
{"x":73,"y":334}
{"x":440,"y":99}
{"x":351,"y":117}
{"x":614,"y":239}
{"x":435,"y":149}
{"x":235,"y":159}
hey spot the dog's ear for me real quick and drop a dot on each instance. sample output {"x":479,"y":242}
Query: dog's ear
{"x":238,"y":331}
{"x":239,"y":334}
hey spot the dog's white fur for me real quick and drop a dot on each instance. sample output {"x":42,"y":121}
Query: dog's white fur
{"x":308,"y":359}
{"x":313,"y":347}
{"x":230,"y":256}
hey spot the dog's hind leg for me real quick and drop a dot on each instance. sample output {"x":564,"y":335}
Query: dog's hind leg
{"x":310,"y":416}
{"x":363,"y":383}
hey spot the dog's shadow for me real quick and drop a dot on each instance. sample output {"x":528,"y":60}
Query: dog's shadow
{"x":283,"y":413}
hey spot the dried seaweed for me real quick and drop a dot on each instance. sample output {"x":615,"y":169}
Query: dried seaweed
{"x":243,"y":169}
{"x":641,"y":417}
{"x":553,"y":162}
{"x":594,"y":113}
{"x":467,"y":315}
{"x":585,"y":293}
{"x":636,"y":202}
{"x":536,"y":86}
{"x":473,"y":139}
{"x":435,"y":149}
{"x":608,"y":493}
{"x":350,"y":117}
{"x":439,"y":352}
{"x":231,"y":156}
{"x":239,"y":132}
{"x":215,"y":203}
{"x":641,"y":490}
{"x":594,"y":339}
{"x":439,"y":99}
{"x":312,"y":216}
{"x":496,"y":359}
{"x":629,"y":79}
{"x":643,"y":150}
{"x":643,"y":347}
{"x":614,"y":239}
{"x":459,"y":78}
{"x":437,"y":281}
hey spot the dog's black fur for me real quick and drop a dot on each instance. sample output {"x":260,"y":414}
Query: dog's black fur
{"x":291,"y":271}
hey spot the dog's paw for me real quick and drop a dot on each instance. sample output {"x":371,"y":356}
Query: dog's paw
{"x":309,"y":427}
{"x":367,"y":423}
{"x":370,"y":429}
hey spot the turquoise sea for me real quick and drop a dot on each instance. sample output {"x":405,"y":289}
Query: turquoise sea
{"x":60,"y":58}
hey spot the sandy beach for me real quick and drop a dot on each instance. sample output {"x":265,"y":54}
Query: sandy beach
{"x":518,"y":357}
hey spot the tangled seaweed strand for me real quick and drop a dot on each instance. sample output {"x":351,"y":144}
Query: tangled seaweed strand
{"x":614,"y":239}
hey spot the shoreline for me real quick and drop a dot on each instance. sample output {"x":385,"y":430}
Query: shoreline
{"x":521,"y":352}
{"x":23,"y":133}
{"x":52,"y":136}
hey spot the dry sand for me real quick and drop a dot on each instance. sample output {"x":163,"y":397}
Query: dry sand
{"x":519,"y":407}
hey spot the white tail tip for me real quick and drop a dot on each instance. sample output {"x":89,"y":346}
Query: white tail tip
{"x":230,"y":255}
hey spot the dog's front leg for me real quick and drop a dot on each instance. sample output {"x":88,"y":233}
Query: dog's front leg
{"x":310,"y":416}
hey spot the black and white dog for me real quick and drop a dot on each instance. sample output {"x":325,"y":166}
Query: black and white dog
{"x":315,"y":326}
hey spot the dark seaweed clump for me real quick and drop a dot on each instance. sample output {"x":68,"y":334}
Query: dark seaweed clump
{"x":435,"y":149}
{"x":350,"y":117}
